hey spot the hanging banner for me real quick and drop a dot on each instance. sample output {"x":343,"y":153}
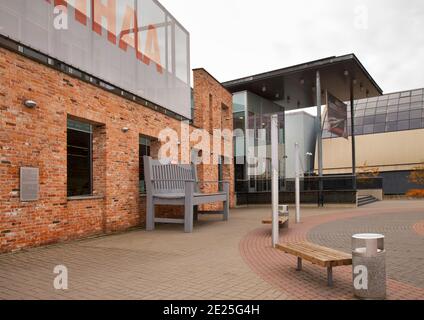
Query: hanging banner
{"x":337,"y":116}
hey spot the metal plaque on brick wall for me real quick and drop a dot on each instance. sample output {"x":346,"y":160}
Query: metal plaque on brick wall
{"x":29,"y":184}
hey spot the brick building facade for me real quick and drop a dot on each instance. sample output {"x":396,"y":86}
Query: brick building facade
{"x":38,"y":138}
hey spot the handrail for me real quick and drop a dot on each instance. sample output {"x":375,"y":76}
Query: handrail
{"x":205,"y":181}
{"x":173,"y":180}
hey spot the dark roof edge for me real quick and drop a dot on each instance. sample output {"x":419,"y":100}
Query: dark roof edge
{"x":311,"y":64}
{"x":367,"y":73}
{"x":268,"y":74}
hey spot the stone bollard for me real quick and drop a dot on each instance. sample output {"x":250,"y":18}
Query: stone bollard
{"x":369,"y":266}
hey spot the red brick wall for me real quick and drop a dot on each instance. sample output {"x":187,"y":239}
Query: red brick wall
{"x":213,"y":110}
{"x":37,"y":138}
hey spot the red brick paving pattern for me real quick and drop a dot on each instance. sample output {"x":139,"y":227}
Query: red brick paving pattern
{"x":278,"y":268}
{"x":419,"y":228}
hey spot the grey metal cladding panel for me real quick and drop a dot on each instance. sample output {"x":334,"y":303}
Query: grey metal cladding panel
{"x":29,"y":184}
{"x":10,"y":18}
{"x":30,"y":22}
{"x":79,"y":50}
{"x":35,"y":26}
{"x":126,"y":73}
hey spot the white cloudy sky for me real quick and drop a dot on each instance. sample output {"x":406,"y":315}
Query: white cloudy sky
{"x":236,"y":38}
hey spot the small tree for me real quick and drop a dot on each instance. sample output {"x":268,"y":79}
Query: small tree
{"x":417,"y":175}
{"x":366,"y":174}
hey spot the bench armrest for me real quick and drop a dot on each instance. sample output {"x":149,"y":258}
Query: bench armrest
{"x":225,"y":184}
{"x":172,"y":180}
{"x":213,"y":181}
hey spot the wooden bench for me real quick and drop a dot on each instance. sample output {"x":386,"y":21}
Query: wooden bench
{"x":177,"y":185}
{"x":321,"y":256}
{"x":281,"y":221}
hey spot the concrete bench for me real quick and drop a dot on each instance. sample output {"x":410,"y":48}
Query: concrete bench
{"x":318,"y":255}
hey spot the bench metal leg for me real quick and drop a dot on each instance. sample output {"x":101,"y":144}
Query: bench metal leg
{"x":150,"y":214}
{"x":330,"y":276}
{"x":299,"y":264}
{"x":226,"y":211}
{"x":196,"y":213}
{"x":188,"y":219}
{"x":188,"y":207}
{"x":227,"y":203}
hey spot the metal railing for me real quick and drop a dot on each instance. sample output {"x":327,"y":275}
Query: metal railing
{"x":308,"y":184}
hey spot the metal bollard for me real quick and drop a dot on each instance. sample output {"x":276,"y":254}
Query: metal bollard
{"x":283,"y":211}
{"x":369,"y":266}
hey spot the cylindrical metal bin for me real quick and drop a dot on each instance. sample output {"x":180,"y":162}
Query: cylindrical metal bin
{"x":369,"y":266}
{"x":283,"y":212}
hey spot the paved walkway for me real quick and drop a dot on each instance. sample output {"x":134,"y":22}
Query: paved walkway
{"x":405,"y":258}
{"x":218,"y":261}
{"x":405,"y":262}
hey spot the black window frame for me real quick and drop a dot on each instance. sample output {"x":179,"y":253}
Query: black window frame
{"x":72,"y":126}
{"x":144,"y":149}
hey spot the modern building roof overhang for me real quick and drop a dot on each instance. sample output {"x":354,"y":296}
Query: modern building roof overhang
{"x":294,"y":87}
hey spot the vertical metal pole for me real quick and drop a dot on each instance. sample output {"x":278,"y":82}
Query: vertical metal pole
{"x":275,"y":179}
{"x":297,"y":156}
{"x":319,"y":135}
{"x":247,"y":142}
{"x":352,"y":116}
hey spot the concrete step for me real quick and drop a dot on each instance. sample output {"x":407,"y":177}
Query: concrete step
{"x":365,"y":200}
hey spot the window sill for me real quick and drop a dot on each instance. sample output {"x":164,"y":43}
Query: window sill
{"x":81,"y":198}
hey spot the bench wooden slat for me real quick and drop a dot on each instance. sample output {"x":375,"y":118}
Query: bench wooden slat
{"x":316,"y":254}
{"x":320,"y":252}
{"x":317,"y":248}
{"x":321,"y":256}
{"x":332,"y":254}
{"x":308,"y":257}
{"x":282,"y":220}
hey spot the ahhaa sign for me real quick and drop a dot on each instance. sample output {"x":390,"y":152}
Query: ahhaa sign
{"x":135,"y":45}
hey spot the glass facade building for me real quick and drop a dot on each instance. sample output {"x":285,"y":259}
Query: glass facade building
{"x":388,"y":113}
{"x":252,"y":141}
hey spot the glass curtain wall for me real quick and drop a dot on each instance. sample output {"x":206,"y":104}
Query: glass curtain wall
{"x":252,"y":142}
{"x":388,"y":113}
